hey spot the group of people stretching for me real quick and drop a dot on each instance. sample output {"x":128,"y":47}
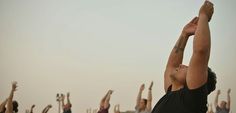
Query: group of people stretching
{"x":187,"y":87}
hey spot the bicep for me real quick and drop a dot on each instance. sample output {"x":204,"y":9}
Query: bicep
{"x":197,"y":71}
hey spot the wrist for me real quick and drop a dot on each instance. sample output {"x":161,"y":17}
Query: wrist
{"x":184,"y":34}
{"x":204,"y":16}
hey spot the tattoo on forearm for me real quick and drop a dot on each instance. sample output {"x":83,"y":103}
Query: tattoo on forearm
{"x":178,"y":46}
{"x":177,"y":49}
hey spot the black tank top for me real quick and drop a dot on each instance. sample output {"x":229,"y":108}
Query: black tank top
{"x":183,"y":101}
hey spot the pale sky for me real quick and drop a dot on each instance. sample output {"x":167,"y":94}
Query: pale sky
{"x":89,"y":46}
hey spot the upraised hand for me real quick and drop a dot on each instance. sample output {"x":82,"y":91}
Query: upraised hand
{"x":150,"y":87}
{"x":142,"y":87}
{"x":207,"y":10}
{"x":14,"y":85}
{"x":191,"y":27}
{"x":229,"y":90}
{"x":32,"y":106}
{"x":110,"y":92}
{"x":49,"y":106}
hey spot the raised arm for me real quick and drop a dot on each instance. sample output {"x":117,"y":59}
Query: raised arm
{"x":103,"y":100}
{"x":107,"y":100}
{"x":46,"y":109}
{"x":115,"y":108}
{"x":216,"y":98}
{"x":210,"y":110}
{"x":139,"y":95}
{"x":68,"y":98}
{"x":95,"y":110}
{"x":10,"y":98}
{"x":228,"y":99}
{"x":118,"y":108}
{"x":149,"y":98}
{"x":31,"y":109}
{"x":198,"y":67}
{"x":3,"y":104}
{"x":176,"y":55}
{"x":62,"y":101}
{"x":89,"y":110}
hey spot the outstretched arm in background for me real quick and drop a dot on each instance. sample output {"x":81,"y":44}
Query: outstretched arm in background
{"x":103,"y":100}
{"x":107,"y":100}
{"x":149,"y":99}
{"x":2,"y":106}
{"x":31,"y":109}
{"x":68,"y":98}
{"x":210,"y":110}
{"x":62,"y":101}
{"x":46,"y":109}
{"x":216,"y":98}
{"x":10,"y":98}
{"x":139,"y":95}
{"x":228,"y":99}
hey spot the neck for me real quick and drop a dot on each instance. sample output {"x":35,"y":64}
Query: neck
{"x":176,"y":86}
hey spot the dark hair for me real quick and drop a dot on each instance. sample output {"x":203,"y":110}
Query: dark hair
{"x":15,"y":106}
{"x":3,"y":111}
{"x":211,"y":81}
{"x":145,"y":101}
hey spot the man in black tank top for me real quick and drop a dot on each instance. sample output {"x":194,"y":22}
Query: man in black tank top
{"x":187,"y":87}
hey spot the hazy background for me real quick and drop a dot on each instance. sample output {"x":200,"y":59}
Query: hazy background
{"x":89,"y":46}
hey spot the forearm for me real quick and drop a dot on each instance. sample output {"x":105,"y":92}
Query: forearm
{"x":228,"y":97}
{"x":104,"y":98}
{"x":149,"y":100}
{"x":229,"y":101}
{"x":115,"y":107}
{"x":2,"y":106}
{"x":176,"y":55}
{"x":216,"y":100}
{"x":31,"y":110}
{"x":68,"y":100}
{"x":201,"y":42}
{"x":118,"y":108}
{"x":107,"y":100}
{"x":210,"y":109}
{"x":138,"y":98}
{"x":149,"y":95}
{"x":46,"y":109}
{"x":9,"y":102}
{"x":62,"y":103}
